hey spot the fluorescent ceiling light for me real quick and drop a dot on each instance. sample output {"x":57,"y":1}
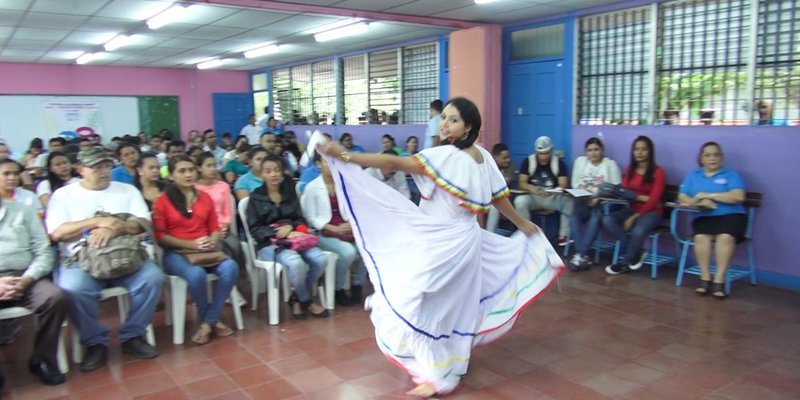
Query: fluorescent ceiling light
{"x":87,"y":58}
{"x":119,"y":41}
{"x":484,"y":1}
{"x":210,"y":64}
{"x":334,"y":25}
{"x":168,"y":16}
{"x":338,"y":33}
{"x":261,"y":51}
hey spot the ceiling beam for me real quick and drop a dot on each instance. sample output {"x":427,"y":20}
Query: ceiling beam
{"x":343,"y":12}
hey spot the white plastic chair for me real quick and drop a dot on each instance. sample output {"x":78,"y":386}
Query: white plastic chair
{"x":61,"y":355}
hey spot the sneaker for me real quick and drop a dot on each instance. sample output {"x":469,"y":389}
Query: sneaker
{"x":581,"y":263}
{"x":563,"y":240}
{"x":139,"y":348}
{"x":617,"y":268}
{"x":639,"y":263}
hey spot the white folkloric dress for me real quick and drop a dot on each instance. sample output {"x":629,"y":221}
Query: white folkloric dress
{"x":442,"y":284}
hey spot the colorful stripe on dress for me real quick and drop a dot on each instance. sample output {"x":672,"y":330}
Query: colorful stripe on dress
{"x":473,"y":206}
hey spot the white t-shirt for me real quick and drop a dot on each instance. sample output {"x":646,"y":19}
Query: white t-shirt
{"x":397,"y":181}
{"x":43,"y":187}
{"x":76,"y":203}
{"x":253,"y":134}
{"x":588,"y":176}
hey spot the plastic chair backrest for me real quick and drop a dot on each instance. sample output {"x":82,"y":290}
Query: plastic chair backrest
{"x":251,"y":249}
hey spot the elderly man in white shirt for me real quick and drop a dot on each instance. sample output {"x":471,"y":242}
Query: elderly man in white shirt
{"x":396,"y":181}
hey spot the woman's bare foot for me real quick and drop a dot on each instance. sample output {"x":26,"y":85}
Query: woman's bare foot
{"x":423,"y":390}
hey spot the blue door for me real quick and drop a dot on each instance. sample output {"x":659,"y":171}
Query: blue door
{"x":535,"y":104}
{"x":231,"y":111}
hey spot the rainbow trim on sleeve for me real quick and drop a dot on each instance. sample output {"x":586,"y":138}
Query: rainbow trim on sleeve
{"x":475,"y":207}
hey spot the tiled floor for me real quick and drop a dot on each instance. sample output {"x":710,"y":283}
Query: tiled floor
{"x":595,"y":337}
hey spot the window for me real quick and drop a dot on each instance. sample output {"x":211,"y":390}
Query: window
{"x":704,"y":49}
{"x":324,"y":86}
{"x":384,"y":87}
{"x":260,"y":94}
{"x":613,"y":67}
{"x":282,"y":95}
{"x":777,"y":73}
{"x":301,"y":94}
{"x":420,"y":82}
{"x":355,"y":90}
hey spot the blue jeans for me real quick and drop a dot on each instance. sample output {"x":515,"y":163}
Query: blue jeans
{"x":144,"y":286}
{"x":416,"y":196}
{"x":293,"y":262}
{"x":348,"y":254}
{"x":195,"y":277}
{"x":631,"y":242}
{"x":584,"y":224}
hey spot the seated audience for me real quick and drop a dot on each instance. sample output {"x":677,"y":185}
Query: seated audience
{"x":227,"y":143}
{"x":59,"y":174}
{"x":10,"y":190}
{"x":395,"y":180}
{"x":324,"y":213}
{"x":29,"y":160}
{"x":238,"y":166}
{"x":291,"y":145}
{"x":174,"y":148}
{"x":252,"y":179}
{"x":210,"y":139}
{"x":148,"y":179}
{"x":194,"y":152}
{"x":503,"y":162}
{"x":631,"y":225}
{"x":27,"y":263}
{"x":389,"y":143}
{"x":588,"y":173}
{"x":184,"y":220}
{"x":720,"y":193}
{"x":231,"y":154}
{"x":208,"y":181}
{"x":274,"y":212}
{"x":347,"y":142}
{"x":128,"y":155}
{"x":71,"y":216}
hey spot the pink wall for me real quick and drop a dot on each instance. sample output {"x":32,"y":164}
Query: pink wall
{"x":193,"y":87}
{"x":475,"y":60}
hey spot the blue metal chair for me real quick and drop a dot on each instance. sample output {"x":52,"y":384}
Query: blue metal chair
{"x":752,"y":201}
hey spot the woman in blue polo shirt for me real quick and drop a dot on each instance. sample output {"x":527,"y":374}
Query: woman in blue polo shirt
{"x":720,"y":191}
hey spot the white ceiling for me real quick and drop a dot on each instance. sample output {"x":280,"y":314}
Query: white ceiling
{"x":57,"y":31}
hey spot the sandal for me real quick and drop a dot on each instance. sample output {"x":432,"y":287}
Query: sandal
{"x":294,"y":301}
{"x":203,"y":334}
{"x":222,"y":330}
{"x":702,"y":290}
{"x":322,"y":314}
{"x":718,"y":291}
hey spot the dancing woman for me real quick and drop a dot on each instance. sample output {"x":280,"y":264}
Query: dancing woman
{"x":449,"y":285}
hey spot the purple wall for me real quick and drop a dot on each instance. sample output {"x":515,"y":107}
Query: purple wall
{"x":366,"y":136}
{"x":767,"y":158}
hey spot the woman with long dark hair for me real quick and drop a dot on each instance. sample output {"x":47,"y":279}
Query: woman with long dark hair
{"x":273,"y":212}
{"x":451,"y":285}
{"x":59,"y":174}
{"x":184,"y":220}
{"x":631,"y":225}
{"x":148,"y":179}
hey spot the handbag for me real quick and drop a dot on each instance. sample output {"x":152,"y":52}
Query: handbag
{"x":300,"y":241}
{"x":615,"y":191}
{"x":204,"y":258}
{"x":343,"y":236}
{"x":122,"y":255}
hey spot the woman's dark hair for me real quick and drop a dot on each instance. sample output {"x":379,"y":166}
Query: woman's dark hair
{"x":139,"y":164}
{"x":19,"y":167}
{"x":36,"y":143}
{"x":55,"y":181}
{"x":173,"y":193}
{"x":242,"y":148}
{"x":239,"y":138}
{"x":286,"y":188}
{"x":125,"y":145}
{"x":203,"y":157}
{"x":390,"y":137}
{"x":193,"y":149}
{"x":345,"y":136}
{"x":651,"y":161}
{"x":703,"y":147}
{"x":594,"y":140}
{"x":472,"y":119}
{"x":412,"y":137}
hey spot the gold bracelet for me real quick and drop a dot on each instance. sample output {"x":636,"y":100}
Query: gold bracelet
{"x":345,"y":156}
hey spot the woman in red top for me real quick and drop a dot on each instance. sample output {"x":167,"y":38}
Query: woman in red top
{"x":184,"y":219}
{"x":631,"y":225}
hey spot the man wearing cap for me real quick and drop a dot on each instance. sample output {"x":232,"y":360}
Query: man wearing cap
{"x":71,"y":217}
{"x":538,"y":173}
